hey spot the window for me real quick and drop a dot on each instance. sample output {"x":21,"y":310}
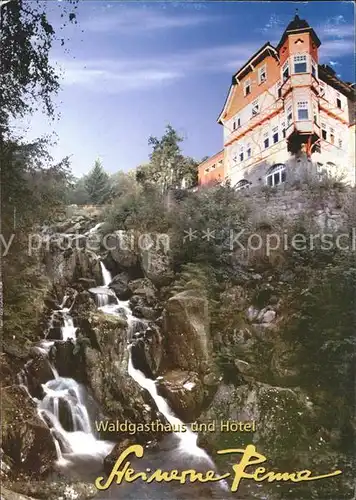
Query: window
{"x":262,"y":75}
{"x":276,"y":175}
{"x":241,"y":156}
{"x":243,"y":184}
{"x":302,"y":107}
{"x":265,"y":140}
{"x":322,"y":89}
{"x":283,"y":124}
{"x":248,"y":151}
{"x":238,"y":122}
{"x":314,"y":69}
{"x":247,"y":87}
{"x":234,"y":126}
{"x":289,"y":115}
{"x":323,"y":131}
{"x":279,"y":90}
{"x":338,"y":101}
{"x":332,"y":135}
{"x":255,"y":108}
{"x":315,"y":113}
{"x":340,"y":143}
{"x":285,"y":72}
{"x":300,"y":63}
{"x":275,"y":135}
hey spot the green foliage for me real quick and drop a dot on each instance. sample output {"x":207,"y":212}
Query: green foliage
{"x":194,"y":277}
{"x":35,"y":193}
{"x":27,"y":77}
{"x":168,"y":168}
{"x":204,"y":223}
{"x":97,"y":184}
{"x":78,"y":194}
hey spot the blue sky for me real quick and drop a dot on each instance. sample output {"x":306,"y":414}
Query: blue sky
{"x":134,"y":67}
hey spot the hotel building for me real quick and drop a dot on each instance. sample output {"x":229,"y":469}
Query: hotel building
{"x":284,"y":110}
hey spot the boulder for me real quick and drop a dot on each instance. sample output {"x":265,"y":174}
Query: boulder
{"x":12,"y":495}
{"x":110,"y":460}
{"x":284,"y":418}
{"x":51,"y":490}
{"x":119,"y":285}
{"x":156,"y":264}
{"x":148,"y":350}
{"x":184,"y":393}
{"x":27,"y":440}
{"x":106,"y":372}
{"x":121,"y":248}
{"x":38,"y":371}
{"x":186,"y":333}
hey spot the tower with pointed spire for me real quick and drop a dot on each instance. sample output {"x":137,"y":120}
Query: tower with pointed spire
{"x":284,"y":109}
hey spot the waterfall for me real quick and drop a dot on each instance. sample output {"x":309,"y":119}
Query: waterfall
{"x":68,"y":330}
{"x":106,"y":274}
{"x":63,"y":406}
{"x":64,"y":396}
{"x":187,"y":439}
{"x":102,"y":296}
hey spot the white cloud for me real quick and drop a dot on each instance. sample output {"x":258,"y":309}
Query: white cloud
{"x":142,"y":18}
{"x":118,"y":75}
{"x":273,"y":24}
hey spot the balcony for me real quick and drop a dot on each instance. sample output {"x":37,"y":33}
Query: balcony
{"x":299,"y":80}
{"x":303,"y":127}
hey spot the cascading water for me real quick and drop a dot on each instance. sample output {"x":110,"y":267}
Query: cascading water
{"x":187,"y":439}
{"x":64,"y":396}
{"x":106,"y":274}
{"x":63,"y":407}
{"x":102,"y":294}
{"x":68,"y":330}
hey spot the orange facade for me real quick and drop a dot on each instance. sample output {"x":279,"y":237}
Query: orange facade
{"x":276,"y":106}
{"x":239,"y":100}
{"x":212,"y":169}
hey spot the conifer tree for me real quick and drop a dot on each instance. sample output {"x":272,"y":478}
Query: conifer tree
{"x":97,"y":184}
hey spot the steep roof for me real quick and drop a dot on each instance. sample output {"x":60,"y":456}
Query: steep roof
{"x":261,"y":53}
{"x":298,"y":25}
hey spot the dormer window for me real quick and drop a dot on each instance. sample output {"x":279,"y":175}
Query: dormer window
{"x":247,"y":87}
{"x":262,"y":75}
{"x":285,"y":71}
{"x":300,"y":63}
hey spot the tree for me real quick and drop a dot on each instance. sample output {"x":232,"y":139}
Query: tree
{"x":97,"y":184}
{"x":27,"y":78}
{"x":168,"y":167}
{"x":78,"y":193}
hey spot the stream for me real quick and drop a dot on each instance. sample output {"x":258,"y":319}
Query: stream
{"x":80,"y":453}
